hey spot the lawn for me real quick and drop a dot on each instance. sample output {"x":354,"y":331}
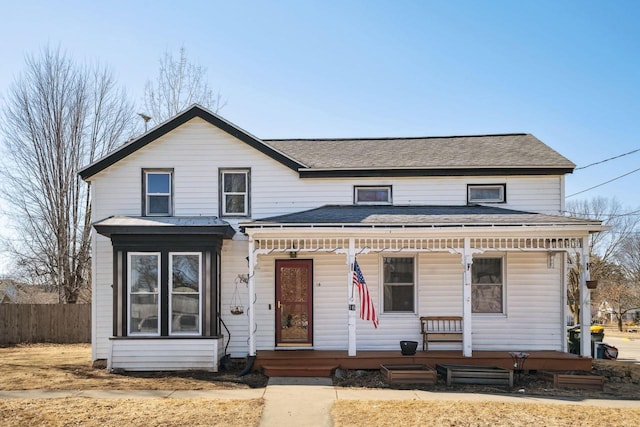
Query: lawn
{"x":450,"y":413}
{"x":68,"y":367}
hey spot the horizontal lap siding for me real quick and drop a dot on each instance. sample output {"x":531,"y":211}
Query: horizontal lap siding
{"x":166,"y":354}
{"x":534,"y":308}
{"x":196,"y":150}
{"x":234,"y":262}
{"x":330,"y":301}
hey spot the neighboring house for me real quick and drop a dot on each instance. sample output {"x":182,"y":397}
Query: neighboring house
{"x":15,"y":293}
{"x":198,"y":218}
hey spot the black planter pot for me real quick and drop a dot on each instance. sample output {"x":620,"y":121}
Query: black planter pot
{"x":408,"y":348}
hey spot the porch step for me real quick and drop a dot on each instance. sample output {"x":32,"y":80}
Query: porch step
{"x":299,"y":371}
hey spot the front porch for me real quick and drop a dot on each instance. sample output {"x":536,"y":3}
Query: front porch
{"x":322,"y":363}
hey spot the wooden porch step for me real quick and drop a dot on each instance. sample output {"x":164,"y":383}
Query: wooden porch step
{"x":299,"y":371}
{"x":577,"y":381}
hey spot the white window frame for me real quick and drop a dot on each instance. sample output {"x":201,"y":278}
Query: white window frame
{"x":172,"y":293}
{"x":414,"y":284}
{"x":132,"y":331}
{"x":246,"y":193}
{"x":147,"y":194}
{"x":501,"y":187}
{"x":503,"y":265}
{"x":358,"y":188}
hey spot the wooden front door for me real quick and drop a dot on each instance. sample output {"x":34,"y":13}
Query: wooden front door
{"x":294,"y":303}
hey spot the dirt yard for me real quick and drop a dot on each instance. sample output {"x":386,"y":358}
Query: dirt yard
{"x":68,"y":367}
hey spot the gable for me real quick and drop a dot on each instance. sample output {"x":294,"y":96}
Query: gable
{"x":172,"y":124}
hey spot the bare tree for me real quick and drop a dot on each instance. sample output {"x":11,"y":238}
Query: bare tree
{"x":605,"y":244}
{"x":59,"y":116}
{"x":180,"y":83}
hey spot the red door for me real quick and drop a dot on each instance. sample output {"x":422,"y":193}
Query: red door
{"x":294,"y":303}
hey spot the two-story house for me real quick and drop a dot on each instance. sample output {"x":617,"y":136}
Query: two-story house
{"x":210,"y":241}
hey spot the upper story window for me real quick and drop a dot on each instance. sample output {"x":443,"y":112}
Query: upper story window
{"x":158,"y":198}
{"x":369,"y":195}
{"x":486,"y":193}
{"x":487,"y":285}
{"x":234,"y":192}
{"x":398,"y":284}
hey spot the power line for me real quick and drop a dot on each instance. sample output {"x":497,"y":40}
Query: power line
{"x":606,"y":160}
{"x":609,"y":215}
{"x":603,"y":183}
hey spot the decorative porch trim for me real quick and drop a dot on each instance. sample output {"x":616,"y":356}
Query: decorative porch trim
{"x":264,"y":246}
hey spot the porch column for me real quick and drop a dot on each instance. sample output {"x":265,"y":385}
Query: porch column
{"x":467,"y":261}
{"x":351,"y":298}
{"x":253,"y":260}
{"x":585,"y":302}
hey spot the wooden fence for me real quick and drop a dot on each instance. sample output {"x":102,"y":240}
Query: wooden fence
{"x":53,"y":323}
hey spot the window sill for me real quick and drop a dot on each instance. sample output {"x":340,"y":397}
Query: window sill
{"x":172,"y":337}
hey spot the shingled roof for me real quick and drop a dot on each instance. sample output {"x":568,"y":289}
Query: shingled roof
{"x":418,"y":216}
{"x":507,"y":151}
{"x":508,"y":154}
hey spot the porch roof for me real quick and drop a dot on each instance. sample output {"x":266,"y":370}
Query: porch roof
{"x":417,"y":216}
{"x":164,"y":225}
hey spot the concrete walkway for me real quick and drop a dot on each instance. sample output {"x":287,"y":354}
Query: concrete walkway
{"x":307,"y":401}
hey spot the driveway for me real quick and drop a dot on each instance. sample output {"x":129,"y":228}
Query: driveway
{"x":628,"y":348}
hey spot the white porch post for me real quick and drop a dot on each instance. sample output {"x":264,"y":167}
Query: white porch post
{"x":351,"y":298}
{"x":585,"y":302}
{"x":253,"y":260}
{"x":467,"y":261}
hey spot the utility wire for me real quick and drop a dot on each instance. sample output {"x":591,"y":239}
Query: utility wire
{"x":603,"y":183}
{"x":609,"y":215}
{"x":606,"y":160}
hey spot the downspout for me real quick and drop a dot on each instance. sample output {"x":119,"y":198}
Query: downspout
{"x":252,"y":298}
{"x":251,"y":356}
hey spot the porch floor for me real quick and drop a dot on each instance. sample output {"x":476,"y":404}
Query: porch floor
{"x":323,"y":362}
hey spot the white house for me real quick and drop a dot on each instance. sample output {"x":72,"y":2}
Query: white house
{"x":198,"y":218}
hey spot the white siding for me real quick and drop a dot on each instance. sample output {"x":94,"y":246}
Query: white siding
{"x":196,"y":151}
{"x":234,"y":263}
{"x":165,"y":354}
{"x":534,"y":308}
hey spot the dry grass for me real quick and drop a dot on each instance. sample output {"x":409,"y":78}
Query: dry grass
{"x":68,"y":367}
{"x":451,"y":413}
{"x":125,"y":412}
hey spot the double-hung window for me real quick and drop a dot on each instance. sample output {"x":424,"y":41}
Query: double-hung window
{"x":144,"y":293}
{"x":487,"y":285}
{"x":234,"y":192}
{"x":157,"y":185}
{"x":150,"y":311}
{"x":185,"y":285}
{"x":399,"y":284}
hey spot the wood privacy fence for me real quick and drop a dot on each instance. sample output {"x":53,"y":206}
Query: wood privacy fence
{"x":54,"y":323}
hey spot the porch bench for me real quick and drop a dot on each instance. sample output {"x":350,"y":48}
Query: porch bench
{"x":440,"y":329}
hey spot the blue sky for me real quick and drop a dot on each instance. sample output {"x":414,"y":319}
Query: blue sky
{"x":565,"y":71}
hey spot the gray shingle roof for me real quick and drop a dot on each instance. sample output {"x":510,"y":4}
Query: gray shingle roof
{"x":418,"y":216}
{"x":483,"y":151}
{"x":120,"y":224}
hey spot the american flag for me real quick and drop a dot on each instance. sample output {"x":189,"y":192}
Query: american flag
{"x":367,"y":310}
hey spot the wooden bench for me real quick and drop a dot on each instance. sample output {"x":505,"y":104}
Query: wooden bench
{"x":440,"y":329}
